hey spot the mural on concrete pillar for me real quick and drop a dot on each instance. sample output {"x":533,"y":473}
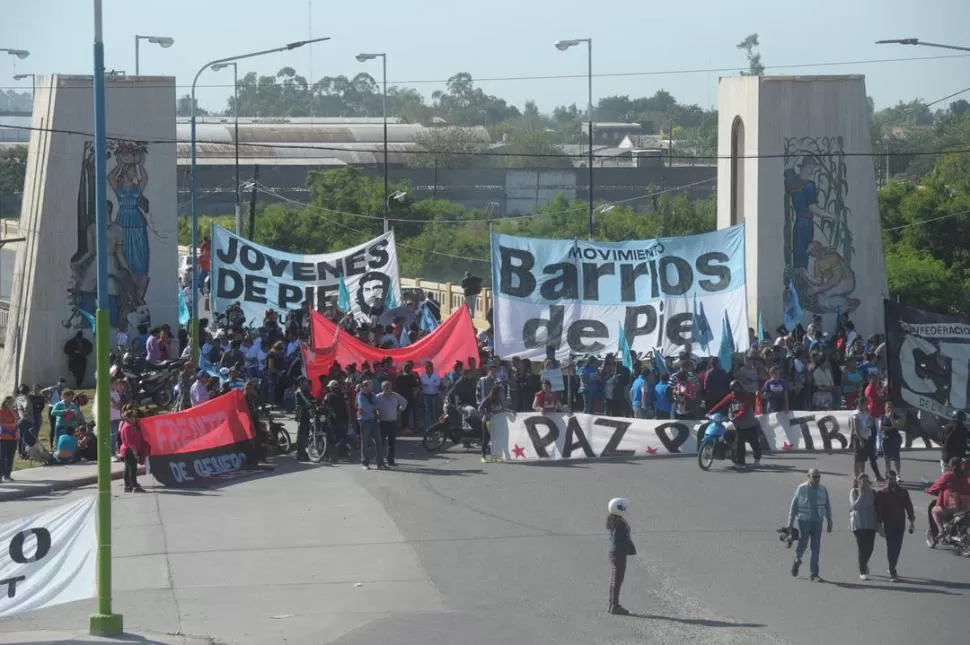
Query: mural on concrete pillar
{"x":129,"y":224}
{"x":818,"y":240}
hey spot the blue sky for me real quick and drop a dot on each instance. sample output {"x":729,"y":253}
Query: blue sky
{"x":429,"y":40}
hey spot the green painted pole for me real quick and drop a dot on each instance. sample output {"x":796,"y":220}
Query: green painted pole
{"x":103,"y":623}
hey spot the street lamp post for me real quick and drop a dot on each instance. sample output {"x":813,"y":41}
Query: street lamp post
{"x":365,"y":57}
{"x":104,"y":622}
{"x":917,"y":41}
{"x":162,"y":41}
{"x":563,"y":45}
{"x":19,"y":53}
{"x":194,"y":323}
{"x":235,"y":136}
{"x":33,"y":81}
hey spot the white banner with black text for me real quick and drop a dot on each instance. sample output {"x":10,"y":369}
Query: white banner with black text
{"x":49,"y":558}
{"x":534,"y":436}
{"x":364,"y":279}
{"x":584,"y":297}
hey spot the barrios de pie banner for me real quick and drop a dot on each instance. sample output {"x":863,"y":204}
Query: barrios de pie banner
{"x":453,"y":340}
{"x":261,"y":278}
{"x":205,"y":444}
{"x":928,"y":356}
{"x":580,"y":296}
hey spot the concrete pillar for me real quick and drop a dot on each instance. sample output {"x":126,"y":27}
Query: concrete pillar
{"x":54,"y":270}
{"x":796,"y":167}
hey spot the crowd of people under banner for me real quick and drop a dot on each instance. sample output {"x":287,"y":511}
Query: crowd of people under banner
{"x":806,"y":369}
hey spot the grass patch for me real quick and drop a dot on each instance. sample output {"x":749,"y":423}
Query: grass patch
{"x":45,"y":430}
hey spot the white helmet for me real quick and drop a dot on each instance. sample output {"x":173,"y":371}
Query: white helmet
{"x":619,"y":506}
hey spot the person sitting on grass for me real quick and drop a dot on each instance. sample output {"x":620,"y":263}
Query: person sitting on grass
{"x":66,"y":451}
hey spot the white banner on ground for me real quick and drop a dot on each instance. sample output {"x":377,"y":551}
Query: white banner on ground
{"x":584,"y":297}
{"x":49,"y":558}
{"x":365,"y":277}
{"x":533,"y":436}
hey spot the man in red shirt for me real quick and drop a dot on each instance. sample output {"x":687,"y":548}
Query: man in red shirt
{"x":205,"y":258}
{"x":740,"y":406}
{"x":876,"y":395}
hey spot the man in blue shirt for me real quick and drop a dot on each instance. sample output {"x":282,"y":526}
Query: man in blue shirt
{"x":591,"y":386}
{"x":663,"y":401}
{"x":641,"y":395}
{"x":367,"y":418}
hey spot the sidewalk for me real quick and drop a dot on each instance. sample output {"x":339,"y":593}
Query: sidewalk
{"x":42,"y":480}
{"x":64,"y":638}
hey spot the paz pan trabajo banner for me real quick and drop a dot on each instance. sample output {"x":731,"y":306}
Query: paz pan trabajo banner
{"x":203,"y":445}
{"x":579,"y":296}
{"x":261,"y":278}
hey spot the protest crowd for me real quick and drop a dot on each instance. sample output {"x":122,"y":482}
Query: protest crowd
{"x":366,"y":406}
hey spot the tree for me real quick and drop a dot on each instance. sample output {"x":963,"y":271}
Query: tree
{"x":183,"y":107}
{"x":755,"y":68}
{"x":450,"y":147}
{"x":13,"y":170}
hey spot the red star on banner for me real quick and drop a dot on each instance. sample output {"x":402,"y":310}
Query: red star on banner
{"x":518,"y":451}
{"x":786,"y":447}
{"x":651,"y":450}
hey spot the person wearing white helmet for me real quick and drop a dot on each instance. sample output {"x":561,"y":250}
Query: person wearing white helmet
{"x":621,"y":546}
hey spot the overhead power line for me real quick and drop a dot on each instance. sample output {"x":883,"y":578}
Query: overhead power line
{"x":554,"y":77}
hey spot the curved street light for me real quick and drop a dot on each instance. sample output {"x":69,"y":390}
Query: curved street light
{"x":563,"y":45}
{"x":361,"y":58}
{"x":194,"y":322}
{"x":19,"y":53}
{"x":162,"y":41}
{"x":917,"y":41}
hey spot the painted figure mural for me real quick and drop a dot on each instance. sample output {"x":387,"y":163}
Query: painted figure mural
{"x":129,"y":221}
{"x":818,"y":241}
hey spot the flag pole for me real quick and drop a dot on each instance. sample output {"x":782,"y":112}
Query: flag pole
{"x":104,"y":622}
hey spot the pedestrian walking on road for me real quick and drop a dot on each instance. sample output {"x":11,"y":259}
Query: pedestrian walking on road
{"x":621,"y":546}
{"x":893,"y":507}
{"x":810,"y":505}
{"x":862,"y":520}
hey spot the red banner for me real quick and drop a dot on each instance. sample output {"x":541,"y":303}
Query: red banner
{"x":219,"y":422}
{"x":453,"y":340}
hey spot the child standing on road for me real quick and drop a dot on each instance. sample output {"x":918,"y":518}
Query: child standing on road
{"x":8,"y":438}
{"x":621,"y":546}
{"x":134,"y":449}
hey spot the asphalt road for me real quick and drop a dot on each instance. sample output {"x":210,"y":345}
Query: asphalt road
{"x":450,"y":550}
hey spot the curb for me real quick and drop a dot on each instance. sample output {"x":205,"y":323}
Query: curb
{"x":47,"y":487}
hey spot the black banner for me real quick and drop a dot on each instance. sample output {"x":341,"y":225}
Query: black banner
{"x":204,"y":467}
{"x":928,"y":355}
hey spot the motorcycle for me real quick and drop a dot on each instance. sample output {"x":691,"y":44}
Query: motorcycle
{"x":459,"y":424}
{"x":147,"y":382}
{"x":718,"y":442}
{"x":956,"y":532}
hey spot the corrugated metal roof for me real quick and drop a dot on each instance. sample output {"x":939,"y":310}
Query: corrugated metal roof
{"x":342,"y":153}
{"x":308,"y":133}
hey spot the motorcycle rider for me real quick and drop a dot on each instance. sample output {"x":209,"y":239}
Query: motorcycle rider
{"x":740,"y":403}
{"x":955,"y":439}
{"x":952,"y":492}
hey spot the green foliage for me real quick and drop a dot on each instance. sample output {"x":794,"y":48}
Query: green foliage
{"x":926,"y":228}
{"x":13,"y":169}
{"x":755,"y":67}
{"x":437,"y":239}
{"x":205,"y":225}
